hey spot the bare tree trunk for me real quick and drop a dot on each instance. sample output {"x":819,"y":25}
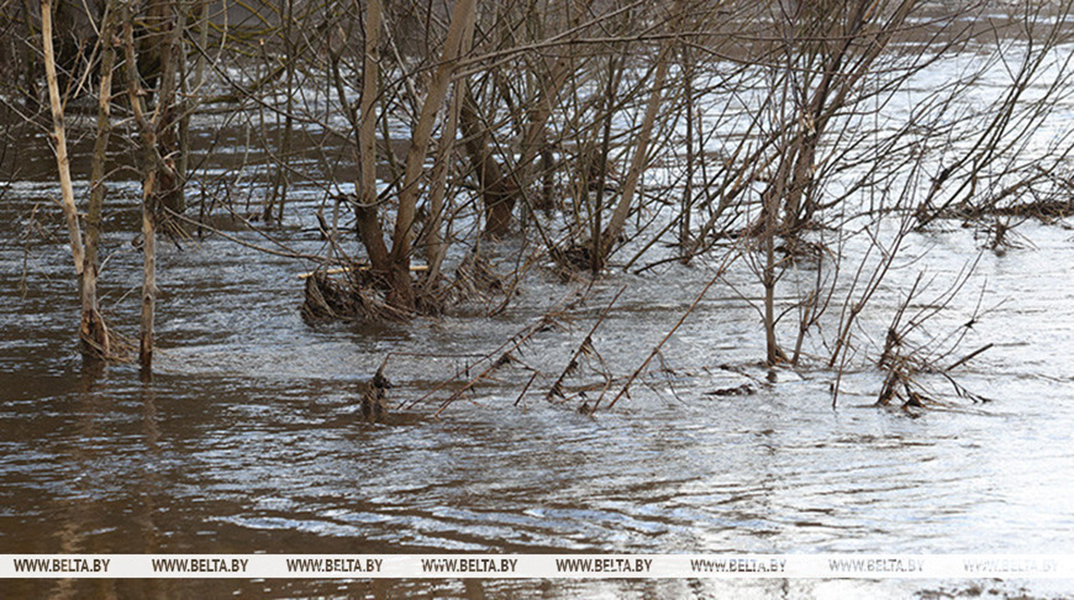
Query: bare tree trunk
{"x":502,"y":186}
{"x":773,"y":353}
{"x":369,"y":228}
{"x":498,"y":190}
{"x":202,"y":10}
{"x":688,"y":188}
{"x":432,"y":237}
{"x":598,"y":166}
{"x":462,"y":22}
{"x":277,"y":197}
{"x":548,"y":98}
{"x":59,"y":138}
{"x":31,"y":93}
{"x":149,"y":277}
{"x":641,"y":155}
{"x":187,"y":103}
{"x":160,"y":180}
{"x":840,"y":73}
{"x":149,"y":185}
{"x":94,"y":332}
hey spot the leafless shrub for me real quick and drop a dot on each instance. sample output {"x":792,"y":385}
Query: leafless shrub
{"x":913,"y":358}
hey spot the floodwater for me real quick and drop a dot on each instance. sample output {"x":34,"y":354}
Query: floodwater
{"x":249,"y":438}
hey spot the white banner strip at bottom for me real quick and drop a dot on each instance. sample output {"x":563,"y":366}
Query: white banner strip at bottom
{"x":541,"y":566}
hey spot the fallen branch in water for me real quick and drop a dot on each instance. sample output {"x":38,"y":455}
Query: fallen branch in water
{"x":502,"y":354}
{"x":585,"y":347}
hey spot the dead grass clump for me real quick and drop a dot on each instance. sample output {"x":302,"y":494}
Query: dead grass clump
{"x":475,"y":278}
{"x":900,"y":386}
{"x":355,"y":298}
{"x":574,"y":258}
{"x":1045,"y":210}
{"x":906,"y":384}
{"x":116,"y":347}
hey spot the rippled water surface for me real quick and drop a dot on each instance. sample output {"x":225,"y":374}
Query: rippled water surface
{"x":249,"y":439}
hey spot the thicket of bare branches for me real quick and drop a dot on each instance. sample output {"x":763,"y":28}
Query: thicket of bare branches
{"x":605,"y":134}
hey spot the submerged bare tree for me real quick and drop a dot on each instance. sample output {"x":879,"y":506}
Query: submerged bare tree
{"x":155,"y":44}
{"x":93,"y":332}
{"x":161,"y":183}
{"x":394,"y":264}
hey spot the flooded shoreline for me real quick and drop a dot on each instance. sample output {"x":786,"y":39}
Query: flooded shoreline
{"x":249,"y":437}
{"x":762,"y":337}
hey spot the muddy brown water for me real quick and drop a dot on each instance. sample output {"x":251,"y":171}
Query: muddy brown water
{"x":248,"y":438}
